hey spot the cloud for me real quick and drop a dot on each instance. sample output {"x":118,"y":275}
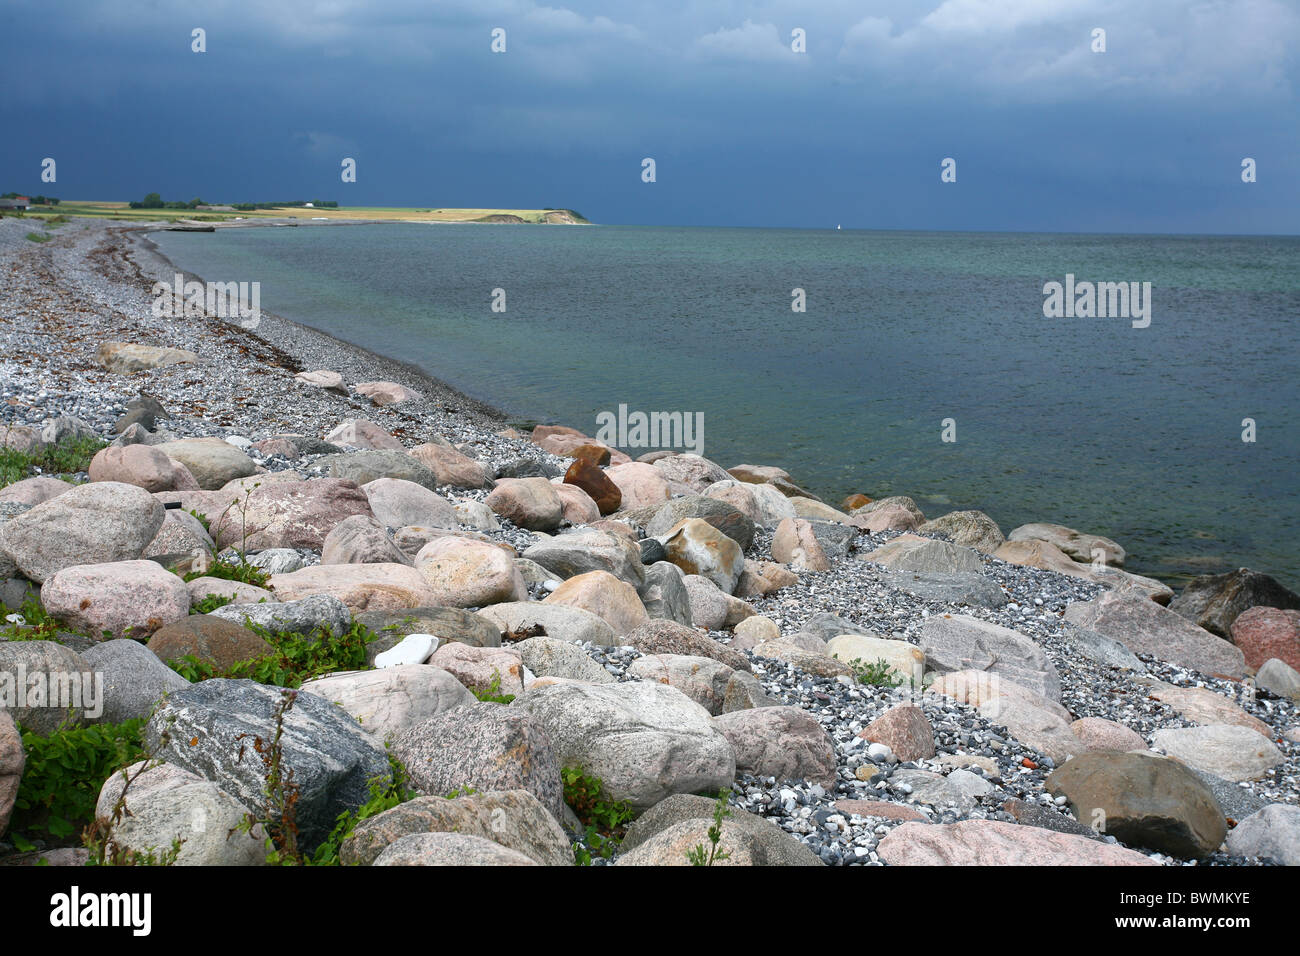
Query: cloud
{"x":753,"y":42}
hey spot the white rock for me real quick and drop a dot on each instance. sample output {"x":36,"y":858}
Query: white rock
{"x":412,"y":649}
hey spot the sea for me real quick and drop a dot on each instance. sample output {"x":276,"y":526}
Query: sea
{"x":928,"y":364}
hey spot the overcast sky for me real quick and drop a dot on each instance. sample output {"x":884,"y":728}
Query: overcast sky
{"x":1148,"y":136}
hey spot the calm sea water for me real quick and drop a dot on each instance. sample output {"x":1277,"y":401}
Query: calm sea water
{"x":1088,"y":422}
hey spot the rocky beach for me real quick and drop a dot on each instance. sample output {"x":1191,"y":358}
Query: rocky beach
{"x":529,"y":648}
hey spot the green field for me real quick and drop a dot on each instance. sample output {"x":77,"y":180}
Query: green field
{"x":122,"y":211}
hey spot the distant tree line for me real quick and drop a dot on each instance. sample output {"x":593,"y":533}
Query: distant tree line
{"x":36,"y":200}
{"x":155,"y":201}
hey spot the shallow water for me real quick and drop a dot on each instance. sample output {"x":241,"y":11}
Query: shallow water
{"x":1134,"y":433}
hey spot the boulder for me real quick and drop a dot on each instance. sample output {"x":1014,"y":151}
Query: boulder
{"x":702,"y":679}
{"x":33,"y":491}
{"x":1273,"y":832}
{"x":1204,"y":706}
{"x":211,"y":461}
{"x":599,"y":487}
{"x":906,"y":661}
{"x":390,"y":701}
{"x":639,"y":485}
{"x":303,"y":616}
{"x":288,"y":514}
{"x":762,"y":841}
{"x":911,"y":553}
{"x":614,"y":601}
{"x":904,"y":730}
{"x":1215,"y":601}
{"x":738,"y":495}
{"x":60,"y":686}
{"x":697,"y":547}
{"x":144,"y":466}
{"x":994,"y":843}
{"x":387,"y":393}
{"x":1079,"y":546}
{"x":978,"y":688}
{"x":236,"y":591}
{"x":530,"y":503}
{"x":463,"y":573}
{"x":12,"y":761}
{"x":512,"y":819}
{"x":364,"y":467}
{"x":1142,"y":800}
{"x":670,"y":637}
{"x":449,"y":849}
{"x":476,"y":515}
{"x":1280,"y":678}
{"x":1145,"y":627}
{"x":1098,"y":734}
{"x":664,"y":594}
{"x":974,"y":529}
{"x":1264,"y":633}
{"x":549,"y":657}
{"x":213,"y":640}
{"x":961,"y":643}
{"x":485,"y":746}
{"x":362,"y":587}
{"x":480,"y":668}
{"x":690,"y":470}
{"x":747,"y":840}
{"x":134,"y":677}
{"x":973,"y":590}
{"x":556,"y":620}
{"x":399,"y":503}
{"x":578,"y":508}
{"x":181,"y":533}
{"x":125,"y":358}
{"x":211,"y":729}
{"x":643,"y":740}
{"x":324,"y":379}
{"x":165,"y":803}
{"x":451,"y":624}
{"x":794,"y":543}
{"x":1230,"y":752}
{"x":123,"y":598}
{"x":450,"y":467}
{"x":817,"y":663}
{"x":363,"y":434}
{"x":95,"y":523}
{"x":361,"y":539}
{"x":787,"y":743}
{"x":584,"y":550}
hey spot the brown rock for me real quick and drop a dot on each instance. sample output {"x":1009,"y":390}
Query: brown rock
{"x":880,"y":808}
{"x":212,"y":640}
{"x":904,"y":730}
{"x":1267,"y":632}
{"x":591,"y":479}
{"x":994,"y":843}
{"x":795,"y":544}
{"x":854,"y":501}
{"x":451,"y":467}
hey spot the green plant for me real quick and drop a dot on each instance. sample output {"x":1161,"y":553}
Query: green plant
{"x":493,"y":693}
{"x":201,"y":519}
{"x":879,"y":674}
{"x":36,"y":625}
{"x":232,"y":571}
{"x":386,"y":792}
{"x":461,"y":792}
{"x":38,"y":237}
{"x":605,"y":820}
{"x":280,"y":820}
{"x":63,"y":777}
{"x":698,"y":855}
{"x":210,"y":603}
{"x":294,"y":659}
{"x":67,"y":457}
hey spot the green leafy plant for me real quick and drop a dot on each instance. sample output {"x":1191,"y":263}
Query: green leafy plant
{"x":39,"y":237}
{"x":63,"y":776}
{"x":294,"y":660}
{"x":70,"y":456}
{"x":493,"y":693}
{"x":386,"y":792}
{"x":698,"y":855}
{"x":210,"y":603}
{"x":232,"y":571}
{"x":879,"y":674}
{"x":280,"y":819}
{"x":37,"y":625}
{"x":605,"y":820}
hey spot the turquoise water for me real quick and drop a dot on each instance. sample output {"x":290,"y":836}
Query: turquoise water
{"x":1130,"y":432}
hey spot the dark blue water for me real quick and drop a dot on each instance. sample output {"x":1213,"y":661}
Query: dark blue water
{"x":1088,"y":422}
